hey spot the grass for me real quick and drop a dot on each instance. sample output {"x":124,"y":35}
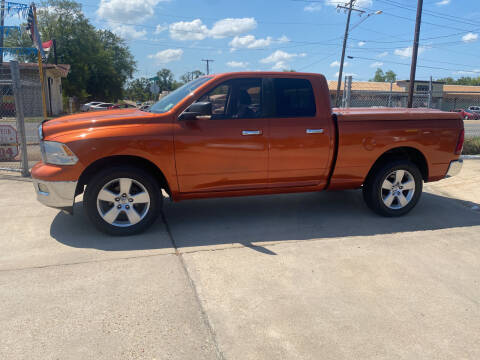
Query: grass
{"x":471,"y":146}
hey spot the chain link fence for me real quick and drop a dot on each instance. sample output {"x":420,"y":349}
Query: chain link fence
{"x":426,"y":99}
{"x":20,"y":112}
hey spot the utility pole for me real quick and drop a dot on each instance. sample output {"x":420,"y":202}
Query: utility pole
{"x":2,"y":24}
{"x":54,"y":41}
{"x":208,"y":61}
{"x":349,"y":8}
{"x":416,"y":40}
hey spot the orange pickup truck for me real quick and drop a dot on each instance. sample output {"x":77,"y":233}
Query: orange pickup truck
{"x":241,"y":134}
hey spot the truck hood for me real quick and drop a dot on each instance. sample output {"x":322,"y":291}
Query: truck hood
{"x":89,"y":120}
{"x":392,"y":114}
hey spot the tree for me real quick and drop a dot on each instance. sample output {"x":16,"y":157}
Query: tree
{"x":139,"y":90}
{"x":100,"y":61}
{"x":390,"y":76}
{"x":465,"y":80}
{"x":380,"y":76}
{"x":191,"y":75}
{"x":166,"y":80}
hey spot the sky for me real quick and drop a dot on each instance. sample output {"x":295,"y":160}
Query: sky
{"x":291,"y":34}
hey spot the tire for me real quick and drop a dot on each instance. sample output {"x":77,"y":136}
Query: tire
{"x":386,"y":195}
{"x":131,"y":214}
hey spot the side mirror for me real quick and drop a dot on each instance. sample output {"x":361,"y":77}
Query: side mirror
{"x":198,"y":110}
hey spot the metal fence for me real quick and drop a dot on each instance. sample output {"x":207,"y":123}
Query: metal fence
{"x":427,"y":99}
{"x":19,"y":97}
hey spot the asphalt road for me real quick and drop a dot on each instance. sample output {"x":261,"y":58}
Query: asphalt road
{"x":300,"y":276}
{"x":472,"y":128}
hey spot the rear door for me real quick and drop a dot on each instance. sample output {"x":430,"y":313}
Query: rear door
{"x":228,"y":151}
{"x":300,"y":134}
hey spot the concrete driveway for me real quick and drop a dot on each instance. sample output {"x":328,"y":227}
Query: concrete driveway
{"x":304,"y":276}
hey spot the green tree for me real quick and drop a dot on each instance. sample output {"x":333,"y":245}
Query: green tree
{"x":390,"y":76}
{"x":139,"y":90}
{"x":465,"y":80}
{"x":166,"y":80}
{"x":100,"y":61}
{"x":191,"y":75}
{"x":380,"y":76}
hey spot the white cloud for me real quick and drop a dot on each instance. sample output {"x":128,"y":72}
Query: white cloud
{"x":376,"y":64}
{"x":160,"y":28}
{"x":283,"y":39}
{"x":407,"y":52}
{"x":383,"y":54}
{"x":281,"y":59}
{"x":443,"y":2}
{"x":237,"y":64}
{"x":123,"y":11}
{"x":462,"y":72}
{"x":117,"y":12}
{"x":188,"y":30}
{"x":197,"y":30}
{"x":361,"y":43}
{"x":249,"y":42}
{"x":232,"y":27}
{"x":128,"y":32}
{"x":359,"y":3}
{"x":337,"y":63}
{"x":470,"y":37}
{"x":166,"y":56}
{"x":313,"y":7}
{"x":345,"y":74}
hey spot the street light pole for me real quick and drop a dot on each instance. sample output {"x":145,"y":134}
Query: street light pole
{"x":345,"y":38}
{"x":416,"y":40}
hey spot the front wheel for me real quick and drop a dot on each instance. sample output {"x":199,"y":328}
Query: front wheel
{"x":394,"y":188}
{"x":123,"y":200}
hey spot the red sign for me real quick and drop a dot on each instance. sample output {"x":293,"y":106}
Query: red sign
{"x":8,"y":142}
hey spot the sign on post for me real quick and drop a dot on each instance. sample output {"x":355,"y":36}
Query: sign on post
{"x":8,"y":142}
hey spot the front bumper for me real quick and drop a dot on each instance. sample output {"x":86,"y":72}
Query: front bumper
{"x":454,"y":168}
{"x":56,"y":194}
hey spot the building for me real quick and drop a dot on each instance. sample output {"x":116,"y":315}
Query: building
{"x":31,"y":88}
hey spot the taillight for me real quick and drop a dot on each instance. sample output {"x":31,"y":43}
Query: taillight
{"x":461,"y":139}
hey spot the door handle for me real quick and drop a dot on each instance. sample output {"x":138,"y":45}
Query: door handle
{"x":251,"y":132}
{"x":314,"y":131}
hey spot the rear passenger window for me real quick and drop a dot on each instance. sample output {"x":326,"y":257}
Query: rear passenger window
{"x":294,"y":98}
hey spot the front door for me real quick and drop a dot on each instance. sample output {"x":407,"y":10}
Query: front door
{"x":228,"y":151}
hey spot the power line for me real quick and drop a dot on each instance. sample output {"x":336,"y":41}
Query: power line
{"x":406,"y":64}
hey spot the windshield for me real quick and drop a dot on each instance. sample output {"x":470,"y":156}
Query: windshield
{"x":172,"y":99}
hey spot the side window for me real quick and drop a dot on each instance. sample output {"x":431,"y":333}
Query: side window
{"x":218,"y":97}
{"x":294,"y":98}
{"x":236,"y":99}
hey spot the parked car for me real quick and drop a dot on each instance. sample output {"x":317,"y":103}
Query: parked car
{"x":242,"y":134}
{"x":467,"y":115}
{"x":101,"y":107}
{"x":474,"y":109}
{"x":86,"y":107}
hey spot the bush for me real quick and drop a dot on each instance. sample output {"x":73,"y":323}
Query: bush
{"x":471,"y":146}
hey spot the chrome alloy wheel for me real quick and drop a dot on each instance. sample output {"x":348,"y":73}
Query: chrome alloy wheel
{"x":123,"y":202}
{"x":398,"y":189}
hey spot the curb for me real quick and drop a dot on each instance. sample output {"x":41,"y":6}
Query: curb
{"x":470,"y":157}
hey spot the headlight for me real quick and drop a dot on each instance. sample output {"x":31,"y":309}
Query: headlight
{"x":57,"y":153}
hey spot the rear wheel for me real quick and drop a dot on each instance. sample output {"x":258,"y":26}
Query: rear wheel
{"x":123,"y":200}
{"x":393,"y":189}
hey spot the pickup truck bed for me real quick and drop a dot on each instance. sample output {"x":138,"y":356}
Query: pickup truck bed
{"x":365,"y":134}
